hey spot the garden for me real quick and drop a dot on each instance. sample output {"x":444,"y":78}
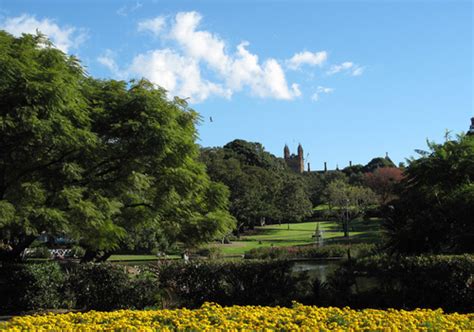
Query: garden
{"x":112,"y":217}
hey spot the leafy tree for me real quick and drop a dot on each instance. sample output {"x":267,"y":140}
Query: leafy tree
{"x":256,"y":180}
{"x":383,"y":182}
{"x":96,"y":159}
{"x":349,"y":202}
{"x":293,"y":202}
{"x":436,"y":201}
{"x":378,"y":162}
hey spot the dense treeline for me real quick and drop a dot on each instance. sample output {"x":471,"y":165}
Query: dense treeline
{"x":262,"y":188}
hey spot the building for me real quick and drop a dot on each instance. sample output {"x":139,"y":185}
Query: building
{"x":294,"y":162}
{"x":471,"y":128}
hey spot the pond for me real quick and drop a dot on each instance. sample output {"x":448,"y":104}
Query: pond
{"x":319,"y":269}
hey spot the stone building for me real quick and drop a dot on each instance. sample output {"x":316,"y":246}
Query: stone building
{"x":294,"y":162}
{"x":471,"y":128}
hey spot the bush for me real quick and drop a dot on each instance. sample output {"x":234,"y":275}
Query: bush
{"x":32,"y":287}
{"x":232,"y":282}
{"x":407,"y":282}
{"x":106,"y":287}
{"x":327,"y":251}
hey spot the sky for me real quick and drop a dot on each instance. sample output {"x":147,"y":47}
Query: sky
{"x":349,"y":80}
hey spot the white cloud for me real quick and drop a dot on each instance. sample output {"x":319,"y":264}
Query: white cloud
{"x":178,"y":74}
{"x":200,"y":45}
{"x":154,"y":25}
{"x":198,"y":64}
{"x":64,"y":38}
{"x":307,"y":58}
{"x":108,"y":60}
{"x":321,"y":90}
{"x":234,"y":71}
{"x":348,"y":67}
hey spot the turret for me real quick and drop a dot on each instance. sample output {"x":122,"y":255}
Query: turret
{"x":286,"y":152}
{"x":300,"y":151}
{"x":300,"y":159}
{"x":471,"y":128}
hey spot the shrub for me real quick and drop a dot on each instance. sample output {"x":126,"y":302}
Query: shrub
{"x":407,"y":282}
{"x":232,"y":282}
{"x":32,"y":287}
{"x":327,"y":251}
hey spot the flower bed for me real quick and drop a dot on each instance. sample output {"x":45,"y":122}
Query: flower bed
{"x":214,"y":317}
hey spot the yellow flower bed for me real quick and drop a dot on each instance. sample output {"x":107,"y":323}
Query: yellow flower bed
{"x":211,"y":317}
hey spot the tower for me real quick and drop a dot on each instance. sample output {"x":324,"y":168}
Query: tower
{"x":471,"y":128}
{"x":300,"y":159}
{"x":286,"y":152}
{"x":294,"y":162}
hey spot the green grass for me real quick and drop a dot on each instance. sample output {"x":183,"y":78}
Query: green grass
{"x":115,"y":258}
{"x":301,"y":234}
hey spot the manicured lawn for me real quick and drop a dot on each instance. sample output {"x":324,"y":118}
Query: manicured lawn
{"x":114,"y":258}
{"x":301,"y":234}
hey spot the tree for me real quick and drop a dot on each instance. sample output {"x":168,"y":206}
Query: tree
{"x":95,"y":159}
{"x":293,"y":201}
{"x":378,"y":162}
{"x":383,"y":182}
{"x":433,"y":213}
{"x":349,"y":202}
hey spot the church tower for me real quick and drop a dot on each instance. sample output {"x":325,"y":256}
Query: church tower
{"x":300,"y":159}
{"x":294,"y":162}
{"x":471,"y":128}
{"x":286,"y":152}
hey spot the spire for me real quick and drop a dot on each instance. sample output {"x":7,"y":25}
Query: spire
{"x":300,"y":150}
{"x":286,"y":152}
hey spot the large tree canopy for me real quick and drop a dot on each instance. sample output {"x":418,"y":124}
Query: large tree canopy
{"x":96,"y":159}
{"x":436,"y":206}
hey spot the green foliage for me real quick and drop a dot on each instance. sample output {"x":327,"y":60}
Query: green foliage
{"x":436,"y":204}
{"x":297,"y":252}
{"x":258,"y":182}
{"x":326,"y":251}
{"x":232,"y":282}
{"x":107,"y":287}
{"x":32,"y":287}
{"x":420,"y":281}
{"x":96,"y":160}
{"x":349,"y":202}
{"x":378,"y":162}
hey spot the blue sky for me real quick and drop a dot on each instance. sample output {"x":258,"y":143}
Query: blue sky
{"x":349,"y":80}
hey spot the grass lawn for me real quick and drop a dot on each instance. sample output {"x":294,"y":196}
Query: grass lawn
{"x":301,"y":234}
{"x":115,"y":258}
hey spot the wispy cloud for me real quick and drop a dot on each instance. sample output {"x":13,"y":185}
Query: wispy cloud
{"x":347,"y":67}
{"x":64,"y":38}
{"x":154,"y":25}
{"x":126,"y":10}
{"x":307,"y":58}
{"x":319,"y":91}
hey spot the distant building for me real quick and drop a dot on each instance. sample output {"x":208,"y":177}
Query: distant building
{"x":294,"y":162}
{"x":471,"y":128}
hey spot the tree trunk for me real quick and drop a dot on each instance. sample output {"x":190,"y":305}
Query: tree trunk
{"x":345,"y":226}
{"x":106,"y":255}
{"x":89,"y":256}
